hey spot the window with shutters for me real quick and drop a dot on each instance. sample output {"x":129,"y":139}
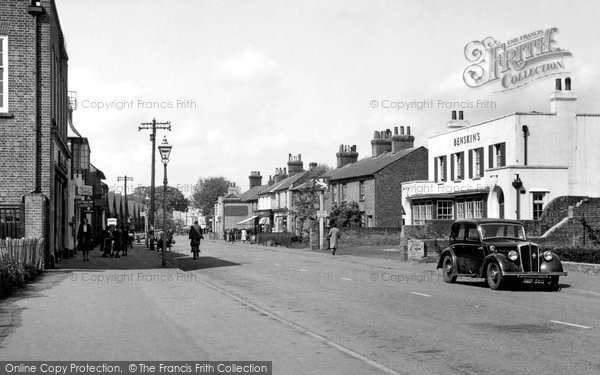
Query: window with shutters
{"x":478,"y":163}
{"x":459,"y":166}
{"x":500,"y":153}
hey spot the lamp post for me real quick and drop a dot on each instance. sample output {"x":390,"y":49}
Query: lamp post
{"x":165,"y":151}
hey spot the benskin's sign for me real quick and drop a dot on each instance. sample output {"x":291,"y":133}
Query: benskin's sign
{"x":466,"y":139}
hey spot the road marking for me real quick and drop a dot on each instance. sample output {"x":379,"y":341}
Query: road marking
{"x":421,"y":294}
{"x":306,"y":331}
{"x":303,"y":270}
{"x":569,"y":324}
{"x":347,"y":279}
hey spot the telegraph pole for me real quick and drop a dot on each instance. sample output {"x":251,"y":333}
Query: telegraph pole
{"x":153,"y":126}
{"x":125,"y":178}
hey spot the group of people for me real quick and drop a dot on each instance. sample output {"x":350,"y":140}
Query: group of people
{"x":231,"y":235}
{"x":113,"y":240}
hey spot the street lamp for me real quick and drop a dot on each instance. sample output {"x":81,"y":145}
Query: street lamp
{"x":165,"y":151}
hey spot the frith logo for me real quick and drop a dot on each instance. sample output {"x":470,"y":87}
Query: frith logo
{"x":515,"y":63}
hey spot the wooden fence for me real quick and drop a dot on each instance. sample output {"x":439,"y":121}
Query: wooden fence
{"x":26,"y":252}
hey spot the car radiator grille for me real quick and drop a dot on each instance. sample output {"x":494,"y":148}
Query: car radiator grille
{"x":530,"y":258}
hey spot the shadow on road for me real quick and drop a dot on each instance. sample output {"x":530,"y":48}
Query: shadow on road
{"x":514,"y":286}
{"x":203,"y":262}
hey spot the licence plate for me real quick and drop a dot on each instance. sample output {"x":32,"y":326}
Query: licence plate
{"x":534,"y":281}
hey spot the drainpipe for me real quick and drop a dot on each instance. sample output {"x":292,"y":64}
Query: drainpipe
{"x":525,"y":134}
{"x":518,"y":184}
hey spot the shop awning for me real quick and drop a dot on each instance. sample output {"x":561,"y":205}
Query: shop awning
{"x":247,"y":220}
{"x":264,"y":221}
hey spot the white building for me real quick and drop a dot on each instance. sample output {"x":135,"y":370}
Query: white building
{"x":509,"y":167}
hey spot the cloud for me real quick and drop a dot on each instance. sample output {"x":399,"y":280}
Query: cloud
{"x":250,"y":69}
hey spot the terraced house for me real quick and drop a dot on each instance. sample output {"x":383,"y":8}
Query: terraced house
{"x":374,"y":182}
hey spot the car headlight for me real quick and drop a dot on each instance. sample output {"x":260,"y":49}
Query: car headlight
{"x":547,"y":255}
{"x":513,"y":255}
{"x":493,"y":249}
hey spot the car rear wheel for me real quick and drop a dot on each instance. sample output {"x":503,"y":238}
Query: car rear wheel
{"x":494,"y":276}
{"x":447,"y":270}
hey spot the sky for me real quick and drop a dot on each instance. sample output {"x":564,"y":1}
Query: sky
{"x":246,"y":83}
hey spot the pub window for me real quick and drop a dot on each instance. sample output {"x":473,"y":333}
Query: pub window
{"x":460,"y":165}
{"x":3,"y":73}
{"x":469,"y":209}
{"x":460,"y":210}
{"x":538,"y":205}
{"x":421,"y":212}
{"x":476,"y":163}
{"x":445,"y":210}
{"x":343,"y":192}
{"x":478,"y":209}
{"x":440,"y":169}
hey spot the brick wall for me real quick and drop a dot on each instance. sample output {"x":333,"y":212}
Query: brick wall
{"x":354,"y":237}
{"x":388,"y":191}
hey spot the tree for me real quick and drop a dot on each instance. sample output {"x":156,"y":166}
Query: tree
{"x":305,"y":206}
{"x":346,"y":214}
{"x":206,"y":192}
{"x":175,"y":199}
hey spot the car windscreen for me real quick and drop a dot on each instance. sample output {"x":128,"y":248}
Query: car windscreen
{"x":503,"y":231}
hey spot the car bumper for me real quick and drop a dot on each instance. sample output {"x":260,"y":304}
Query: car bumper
{"x":534,"y":275}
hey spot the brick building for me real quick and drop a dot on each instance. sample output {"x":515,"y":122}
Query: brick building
{"x":374,"y":182}
{"x":33,"y":121}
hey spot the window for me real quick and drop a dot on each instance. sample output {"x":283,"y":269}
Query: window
{"x":343,"y":192}
{"x":497,"y":155}
{"x":421,"y":212}
{"x":445,"y":210}
{"x":538,"y":205}
{"x":3,"y":74}
{"x":460,"y":164}
{"x":361,"y":190}
{"x":476,"y":163}
{"x":440,"y":169}
{"x":334,"y":194}
{"x":460,"y":210}
{"x":469,"y":209}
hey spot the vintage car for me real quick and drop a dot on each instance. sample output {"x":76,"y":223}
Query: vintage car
{"x":497,"y":250}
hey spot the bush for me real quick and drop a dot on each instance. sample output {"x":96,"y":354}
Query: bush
{"x":10,"y":277}
{"x":275,"y":239}
{"x":578,"y":255}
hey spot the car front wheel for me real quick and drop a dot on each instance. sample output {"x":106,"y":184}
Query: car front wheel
{"x":494,"y":276}
{"x":447,"y":270}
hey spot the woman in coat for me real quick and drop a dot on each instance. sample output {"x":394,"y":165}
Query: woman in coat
{"x":84,"y":239}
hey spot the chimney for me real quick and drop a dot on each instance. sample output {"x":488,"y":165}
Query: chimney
{"x":457,"y":123}
{"x":279,"y":175}
{"x":381,"y":142}
{"x":255,"y":179}
{"x":271,"y":182}
{"x":232,"y":189}
{"x":563,"y":102}
{"x":346,"y":155}
{"x":402,"y":141}
{"x":295,"y":164}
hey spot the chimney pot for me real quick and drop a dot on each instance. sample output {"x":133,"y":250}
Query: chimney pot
{"x":408,"y":130}
{"x":460,"y":115}
{"x":568,"y":84}
{"x":395,"y":130}
{"x":453,"y":115}
{"x":558,"y":84}
{"x":402,"y":130}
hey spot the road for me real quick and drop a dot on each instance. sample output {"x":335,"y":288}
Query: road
{"x":308,"y":312}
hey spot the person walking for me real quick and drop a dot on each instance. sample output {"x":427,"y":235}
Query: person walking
{"x":334,"y":235}
{"x":244,"y":236}
{"x":117,"y":239}
{"x":195,"y":236}
{"x":124,"y":239}
{"x":84,"y":239}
